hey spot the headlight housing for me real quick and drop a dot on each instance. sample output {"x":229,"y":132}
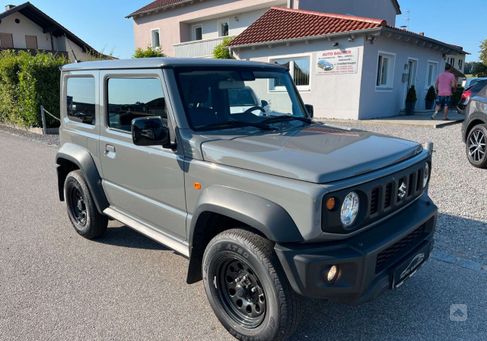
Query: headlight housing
{"x":350,"y":209}
{"x":426,"y":175}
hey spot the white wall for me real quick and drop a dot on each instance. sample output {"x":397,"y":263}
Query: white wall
{"x":25,"y":27}
{"x":332,"y":95}
{"x":381,"y":103}
{"x":381,"y":9}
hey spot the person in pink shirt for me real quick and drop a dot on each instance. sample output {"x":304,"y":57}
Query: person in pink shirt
{"x":445,"y":84}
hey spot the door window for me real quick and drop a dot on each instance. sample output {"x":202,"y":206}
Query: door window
{"x":130,"y":98}
{"x":80,"y":99}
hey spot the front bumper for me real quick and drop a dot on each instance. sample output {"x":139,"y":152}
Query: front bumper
{"x":369,"y":262}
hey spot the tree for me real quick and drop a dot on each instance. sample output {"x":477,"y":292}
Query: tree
{"x":483,"y":52}
{"x":222,"y":51}
{"x":148,"y":53}
{"x":479,"y":69}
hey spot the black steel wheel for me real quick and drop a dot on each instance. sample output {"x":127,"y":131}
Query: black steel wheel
{"x":247,"y":288}
{"x":82,"y":211}
{"x":477,"y":146}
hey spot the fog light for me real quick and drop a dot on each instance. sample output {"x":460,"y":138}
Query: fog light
{"x":332,"y":274}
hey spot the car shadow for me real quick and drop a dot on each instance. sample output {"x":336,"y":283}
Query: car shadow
{"x":124,"y":236}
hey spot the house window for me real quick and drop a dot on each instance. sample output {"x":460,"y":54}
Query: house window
{"x":80,"y":99}
{"x":31,"y":42}
{"x":299,"y":68}
{"x":224,"y":29}
{"x":6,"y":41}
{"x":130,"y":98}
{"x":452,"y":61}
{"x":385,"y":71}
{"x":198,"y":33}
{"x":156,"y":42}
{"x":431,"y":73}
{"x":460,"y":64}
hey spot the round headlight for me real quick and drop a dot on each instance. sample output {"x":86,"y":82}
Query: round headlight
{"x":349,"y":209}
{"x":426,"y":175}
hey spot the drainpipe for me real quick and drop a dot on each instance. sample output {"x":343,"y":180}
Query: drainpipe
{"x":290,"y":3}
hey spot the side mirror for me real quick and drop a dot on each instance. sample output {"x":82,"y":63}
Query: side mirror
{"x":264,"y":103}
{"x":309,"y":108}
{"x":150,"y":131}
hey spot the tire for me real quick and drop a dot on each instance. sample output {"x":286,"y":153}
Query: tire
{"x":477,"y":146}
{"x":241,"y":266}
{"x":82,"y":212}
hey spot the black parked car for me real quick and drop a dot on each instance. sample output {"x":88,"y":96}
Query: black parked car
{"x":470,"y":92}
{"x":475,"y":128}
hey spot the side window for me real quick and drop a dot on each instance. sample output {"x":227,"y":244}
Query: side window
{"x":130,"y":98}
{"x":80,"y":99}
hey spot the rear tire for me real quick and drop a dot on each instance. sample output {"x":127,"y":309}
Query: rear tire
{"x":477,"y":146}
{"x":247,"y":288}
{"x":82,"y":211}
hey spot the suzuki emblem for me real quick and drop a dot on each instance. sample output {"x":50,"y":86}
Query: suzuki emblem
{"x":402,"y":191}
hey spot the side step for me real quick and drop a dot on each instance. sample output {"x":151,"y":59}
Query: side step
{"x":160,"y":237}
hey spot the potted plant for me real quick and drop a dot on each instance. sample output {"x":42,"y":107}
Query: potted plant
{"x":430,"y":98}
{"x":411,"y":100}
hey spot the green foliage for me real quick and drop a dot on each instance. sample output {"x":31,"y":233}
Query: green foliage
{"x":26,"y":83}
{"x":148,"y":53}
{"x":431,"y":94}
{"x":483,"y":52}
{"x":411,"y":96}
{"x":222,"y":51}
{"x":478,"y":69}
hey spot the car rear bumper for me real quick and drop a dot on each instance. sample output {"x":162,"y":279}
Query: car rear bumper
{"x":369,"y":263}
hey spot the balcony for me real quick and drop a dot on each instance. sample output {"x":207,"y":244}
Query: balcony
{"x":36,"y":51}
{"x":197,"y":48}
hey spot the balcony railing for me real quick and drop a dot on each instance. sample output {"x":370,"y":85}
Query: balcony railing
{"x":197,"y":48}
{"x":34,"y":52}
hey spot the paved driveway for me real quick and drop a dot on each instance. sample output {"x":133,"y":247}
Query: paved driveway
{"x":55,"y":285}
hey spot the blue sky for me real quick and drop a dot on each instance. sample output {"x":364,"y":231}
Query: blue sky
{"x":102,"y":24}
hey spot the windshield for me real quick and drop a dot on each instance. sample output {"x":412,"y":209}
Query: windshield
{"x":235,"y":98}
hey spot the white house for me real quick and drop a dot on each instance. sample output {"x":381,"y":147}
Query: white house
{"x":25,"y":27}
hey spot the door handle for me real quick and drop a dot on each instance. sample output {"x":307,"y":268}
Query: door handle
{"x":110,"y":151}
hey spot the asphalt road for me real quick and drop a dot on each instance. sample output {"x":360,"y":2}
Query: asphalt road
{"x":54,"y":285}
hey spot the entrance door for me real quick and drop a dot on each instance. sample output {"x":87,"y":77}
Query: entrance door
{"x":412,"y":68}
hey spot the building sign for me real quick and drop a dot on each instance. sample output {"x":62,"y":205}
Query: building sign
{"x":337,"y":61}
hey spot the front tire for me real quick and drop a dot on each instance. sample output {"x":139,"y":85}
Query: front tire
{"x":477,"y":146}
{"x":247,"y":288}
{"x":82,"y":211}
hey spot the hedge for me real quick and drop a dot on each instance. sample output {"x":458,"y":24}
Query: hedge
{"x":27,"y":82}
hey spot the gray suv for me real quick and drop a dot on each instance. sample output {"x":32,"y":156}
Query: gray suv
{"x":267,"y":205}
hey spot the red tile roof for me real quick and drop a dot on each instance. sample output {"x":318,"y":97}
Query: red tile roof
{"x":285,"y":24}
{"x":158,"y":5}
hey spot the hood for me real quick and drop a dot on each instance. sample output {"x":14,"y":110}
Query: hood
{"x":316,"y":153}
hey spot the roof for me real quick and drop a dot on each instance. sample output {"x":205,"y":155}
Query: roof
{"x":279,"y":25}
{"x":47,"y":23}
{"x":153,"y":63}
{"x":162,"y":5}
{"x":286,"y":24}
{"x":159,"y":5}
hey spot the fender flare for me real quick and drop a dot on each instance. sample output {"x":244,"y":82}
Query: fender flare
{"x":474,"y":117}
{"x":269,"y":218}
{"x":82,"y":158}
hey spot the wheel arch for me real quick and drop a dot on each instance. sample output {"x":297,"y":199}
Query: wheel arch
{"x":475,"y":119}
{"x":72,"y":157}
{"x":222,"y":208}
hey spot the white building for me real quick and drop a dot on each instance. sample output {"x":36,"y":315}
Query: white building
{"x":25,"y":27}
{"x":346,"y":57}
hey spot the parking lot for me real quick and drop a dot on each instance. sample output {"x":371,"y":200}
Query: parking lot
{"x":55,"y":285}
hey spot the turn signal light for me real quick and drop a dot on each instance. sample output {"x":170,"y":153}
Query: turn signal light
{"x":197,"y":186}
{"x":330,"y":203}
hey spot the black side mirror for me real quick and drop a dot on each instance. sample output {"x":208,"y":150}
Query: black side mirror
{"x":150,"y":131}
{"x":264,"y":103}
{"x":309,"y":108}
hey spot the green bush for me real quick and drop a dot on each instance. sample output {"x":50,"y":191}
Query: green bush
{"x":222,"y":51}
{"x":26,"y":83}
{"x":411,"y":95}
{"x":148,"y":53}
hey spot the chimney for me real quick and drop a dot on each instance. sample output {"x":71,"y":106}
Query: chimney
{"x":421,"y":34}
{"x":9,"y":7}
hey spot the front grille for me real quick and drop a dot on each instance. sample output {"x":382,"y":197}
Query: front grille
{"x":378,"y":199}
{"x":394,"y":252}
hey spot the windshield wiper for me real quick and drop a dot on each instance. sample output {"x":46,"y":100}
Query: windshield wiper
{"x":235,"y":124}
{"x":284,"y":118}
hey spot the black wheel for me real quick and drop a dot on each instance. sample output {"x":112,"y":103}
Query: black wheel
{"x":247,"y":288}
{"x":477,"y":146}
{"x":82,"y":212}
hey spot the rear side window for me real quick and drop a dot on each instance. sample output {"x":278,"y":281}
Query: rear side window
{"x":130,"y":98}
{"x":80,"y":99}
{"x":479,"y":85}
